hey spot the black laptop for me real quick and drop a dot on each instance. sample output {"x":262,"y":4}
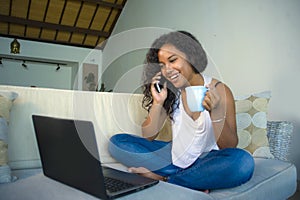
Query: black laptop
{"x":69,"y":154}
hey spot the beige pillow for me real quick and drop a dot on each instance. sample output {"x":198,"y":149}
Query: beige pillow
{"x":251,"y":118}
{"x":6,"y":102}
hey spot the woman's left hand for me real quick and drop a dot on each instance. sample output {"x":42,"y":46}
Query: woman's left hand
{"x":212,"y":98}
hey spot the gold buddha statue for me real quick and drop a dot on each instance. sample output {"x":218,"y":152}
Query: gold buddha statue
{"x":15,"y":47}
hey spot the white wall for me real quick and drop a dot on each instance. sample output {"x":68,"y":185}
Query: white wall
{"x":44,"y":75}
{"x":36,"y":74}
{"x":254,"y":45}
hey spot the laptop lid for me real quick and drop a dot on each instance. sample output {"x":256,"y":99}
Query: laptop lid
{"x":69,"y":154}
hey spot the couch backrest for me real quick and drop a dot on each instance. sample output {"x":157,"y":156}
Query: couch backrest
{"x":110,"y":113}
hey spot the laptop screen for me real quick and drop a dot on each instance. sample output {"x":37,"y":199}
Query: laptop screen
{"x":62,"y":145}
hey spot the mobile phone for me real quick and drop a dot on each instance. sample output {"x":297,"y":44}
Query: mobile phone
{"x":159,"y":85}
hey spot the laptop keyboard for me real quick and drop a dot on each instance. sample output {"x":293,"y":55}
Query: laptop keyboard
{"x":114,"y":185}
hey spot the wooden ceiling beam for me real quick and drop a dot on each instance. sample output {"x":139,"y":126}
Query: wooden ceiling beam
{"x":59,"y":27}
{"x":103,"y":3}
{"x":51,"y":41}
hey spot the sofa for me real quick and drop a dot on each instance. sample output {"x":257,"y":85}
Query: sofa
{"x":274,"y":176}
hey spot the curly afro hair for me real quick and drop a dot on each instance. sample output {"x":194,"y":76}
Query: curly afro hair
{"x":195,"y":55}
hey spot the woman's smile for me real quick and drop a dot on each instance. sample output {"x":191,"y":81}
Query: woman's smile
{"x":175,"y":67}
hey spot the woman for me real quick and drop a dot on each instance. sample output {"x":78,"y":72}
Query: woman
{"x":202,"y":153}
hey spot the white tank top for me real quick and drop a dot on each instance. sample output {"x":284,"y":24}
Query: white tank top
{"x":191,"y":138}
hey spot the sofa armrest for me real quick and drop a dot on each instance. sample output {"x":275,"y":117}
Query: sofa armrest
{"x":279,"y":135}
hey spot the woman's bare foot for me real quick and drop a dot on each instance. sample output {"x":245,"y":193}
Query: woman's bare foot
{"x":205,"y":191}
{"x":146,"y":173}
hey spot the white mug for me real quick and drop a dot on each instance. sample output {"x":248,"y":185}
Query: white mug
{"x":195,"y":96}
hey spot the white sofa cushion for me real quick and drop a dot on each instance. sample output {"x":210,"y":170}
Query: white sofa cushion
{"x":272,"y":179}
{"x":110,"y":113}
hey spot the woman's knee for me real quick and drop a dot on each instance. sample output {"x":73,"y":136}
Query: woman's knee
{"x":242,"y":164}
{"x":115,"y":142}
{"x":241,"y":156}
{"x":246,"y":159}
{"x":245,"y":165}
{"x":117,"y":138}
{"x":124,"y":143}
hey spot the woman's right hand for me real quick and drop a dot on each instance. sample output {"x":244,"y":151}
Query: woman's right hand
{"x":158,"y":97}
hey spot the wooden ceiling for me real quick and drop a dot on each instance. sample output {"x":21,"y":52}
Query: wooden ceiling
{"x":84,"y":23}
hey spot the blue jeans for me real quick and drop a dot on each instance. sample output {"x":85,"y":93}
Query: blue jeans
{"x":217,"y":169}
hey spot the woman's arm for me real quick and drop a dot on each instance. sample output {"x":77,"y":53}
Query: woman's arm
{"x":157,"y":114}
{"x":154,"y":122}
{"x":220,"y":103}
